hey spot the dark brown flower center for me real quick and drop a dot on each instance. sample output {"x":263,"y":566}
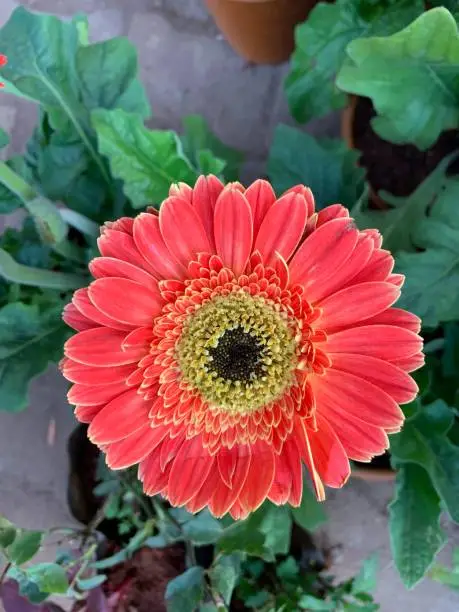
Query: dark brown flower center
{"x":237,"y":356}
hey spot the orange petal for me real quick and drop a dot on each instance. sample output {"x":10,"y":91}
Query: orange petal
{"x":120,"y":418}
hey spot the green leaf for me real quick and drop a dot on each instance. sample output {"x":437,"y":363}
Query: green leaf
{"x":243,"y":536}
{"x":320,"y":46}
{"x":432,"y":272}
{"x":310,"y":513}
{"x":424,"y":441}
{"x":51,"y":62}
{"x":202,"y":529}
{"x":276,"y":524}
{"x":325,"y":165}
{"x":186,"y":591}
{"x":309,"y":602}
{"x":148,"y":161}
{"x":224,"y":575}
{"x":415,"y":533}
{"x":257,"y":600}
{"x":288,"y":570}
{"x":27,"y":587}
{"x":198,"y":140}
{"x":86,"y":584}
{"x":419,"y":63}
{"x":41,"y":52}
{"x":365,"y":581}
{"x":107,"y":72}
{"x":49,"y":577}
{"x":29,"y":340}
{"x":399,"y":223}
{"x":25,"y":546}
{"x":7,"y":532}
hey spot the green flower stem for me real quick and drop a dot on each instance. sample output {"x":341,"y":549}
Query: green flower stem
{"x":16,"y":184}
{"x":80,"y":222}
{"x":36,"y":277}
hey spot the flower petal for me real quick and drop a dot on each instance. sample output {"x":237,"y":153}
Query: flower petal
{"x":381,"y":341}
{"x":397,"y":317}
{"x":150,"y":242}
{"x":356,"y":303}
{"x":101,"y":267}
{"x":189,"y":471}
{"x":260,"y":196}
{"x":154,"y":479}
{"x":233,"y":229}
{"x":385,"y":375}
{"x":134,"y":448}
{"x":119,"y":245}
{"x":282,"y":227}
{"x":410,"y":364}
{"x":126,"y":301}
{"x":259,"y":478}
{"x":120,"y":418}
{"x":182,"y":230}
{"x":346,"y":269}
{"x":87,"y":308}
{"x":75,"y":319}
{"x":85,"y":414}
{"x":322,"y":249}
{"x":205,"y":195}
{"x":334,"y":211}
{"x":101,"y":346}
{"x":86,"y":395}
{"x":360,"y":440}
{"x":287,"y":485}
{"x":223,"y":497}
{"x":330,"y":458}
{"x":89,"y":375}
{"x":301,"y":437}
{"x":379,"y":267}
{"x":307,"y":195}
{"x":344,"y":392}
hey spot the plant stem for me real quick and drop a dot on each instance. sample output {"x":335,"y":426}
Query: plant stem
{"x":16,"y":184}
{"x":4,"y":572}
{"x":80,"y":222}
{"x":37,"y":277}
{"x":140,"y":498}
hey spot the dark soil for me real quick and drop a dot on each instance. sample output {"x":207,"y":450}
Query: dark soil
{"x":143,"y":579}
{"x":381,"y":462}
{"x":139,"y":584}
{"x":398,"y":169}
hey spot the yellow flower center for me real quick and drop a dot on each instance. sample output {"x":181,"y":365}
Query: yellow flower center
{"x":238,"y":351}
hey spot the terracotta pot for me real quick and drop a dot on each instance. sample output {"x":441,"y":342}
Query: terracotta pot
{"x":379,"y":470}
{"x":347,"y":133}
{"x":373,"y":474}
{"x":262,"y":31}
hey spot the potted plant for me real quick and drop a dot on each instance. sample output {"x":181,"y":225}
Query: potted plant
{"x":161,"y":558}
{"x":385,"y":64}
{"x":262,"y":31}
{"x":92,"y":160}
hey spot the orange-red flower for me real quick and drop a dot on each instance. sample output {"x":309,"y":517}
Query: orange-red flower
{"x":233,"y":337}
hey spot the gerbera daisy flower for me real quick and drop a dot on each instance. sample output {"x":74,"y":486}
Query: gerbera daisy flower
{"x":234,"y":337}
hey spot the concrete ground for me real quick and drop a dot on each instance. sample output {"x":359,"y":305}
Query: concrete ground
{"x":187,"y":68}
